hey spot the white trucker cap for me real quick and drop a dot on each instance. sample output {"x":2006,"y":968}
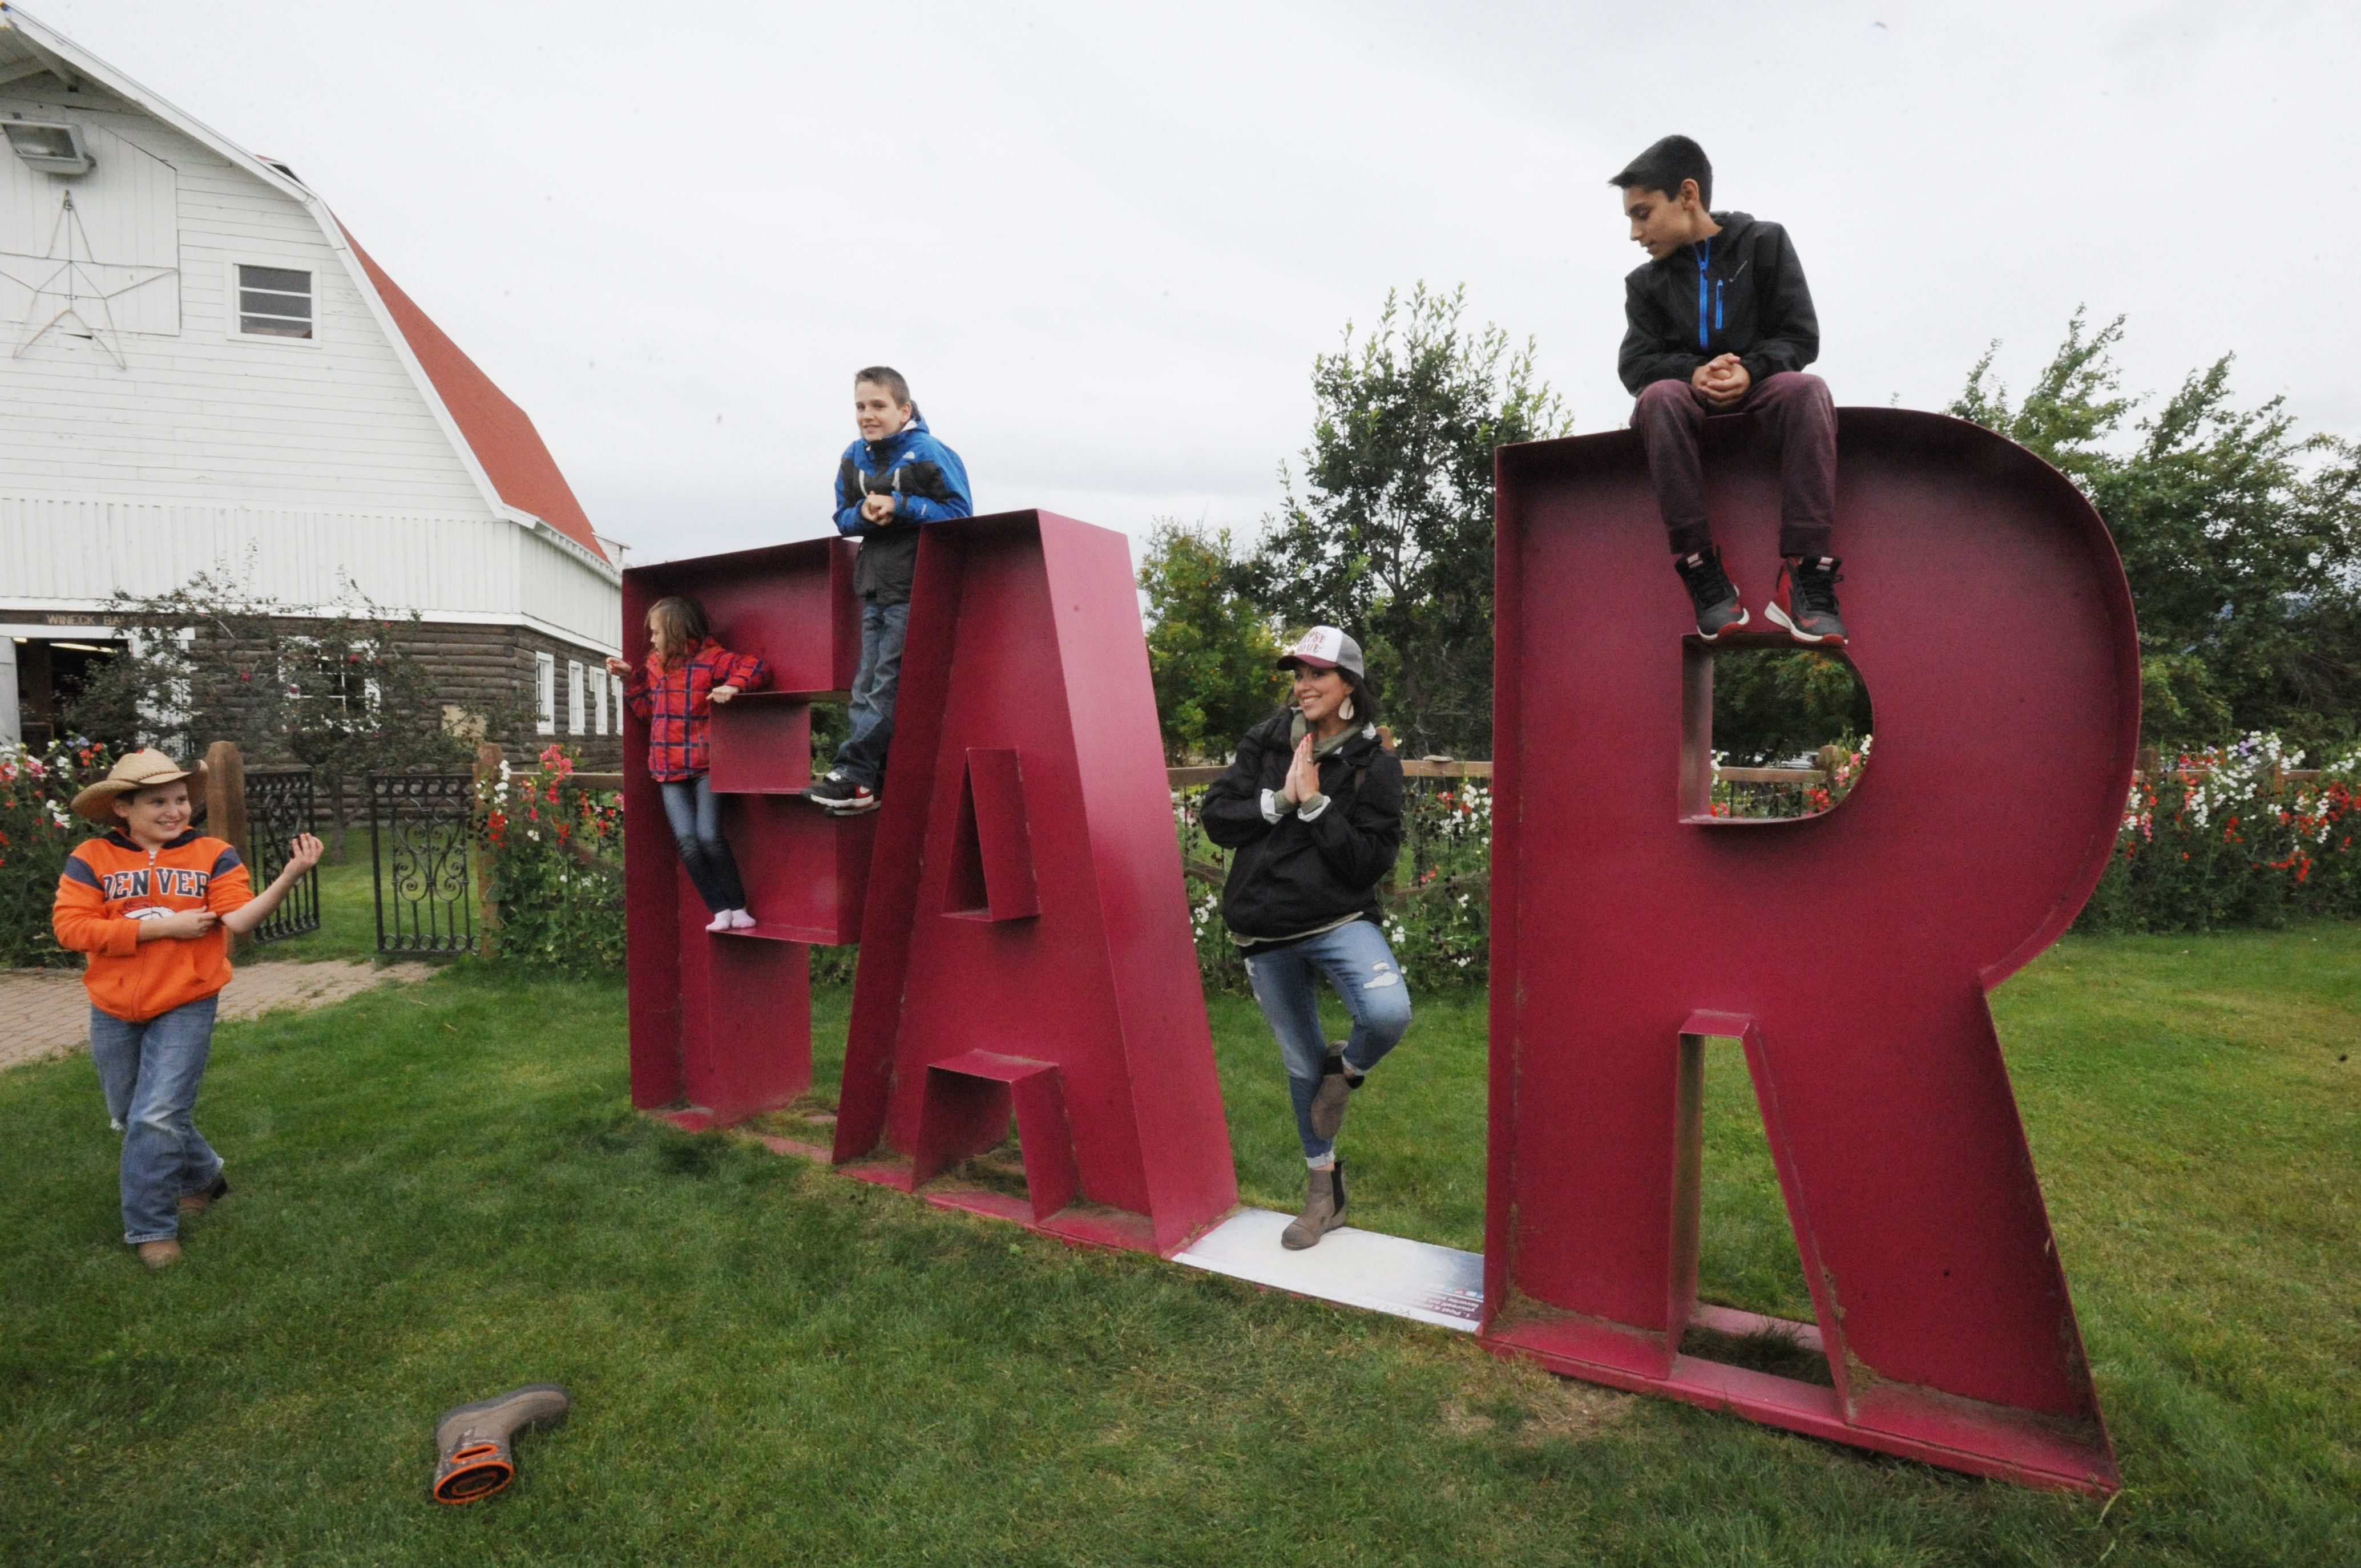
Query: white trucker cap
{"x":1324,"y":648}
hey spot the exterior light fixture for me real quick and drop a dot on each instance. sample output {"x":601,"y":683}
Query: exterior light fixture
{"x":51,"y":148}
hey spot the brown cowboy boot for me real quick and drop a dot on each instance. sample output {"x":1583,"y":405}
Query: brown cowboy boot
{"x":198,"y":1203}
{"x":473,"y":1439}
{"x":1324,"y":1210}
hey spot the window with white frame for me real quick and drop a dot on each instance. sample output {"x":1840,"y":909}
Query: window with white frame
{"x":598,"y":698}
{"x":273,"y":301}
{"x":546,"y":693}
{"x":618,"y":690}
{"x":576,"y":688}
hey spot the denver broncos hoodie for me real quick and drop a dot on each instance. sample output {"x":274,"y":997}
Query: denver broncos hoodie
{"x":111,"y":883}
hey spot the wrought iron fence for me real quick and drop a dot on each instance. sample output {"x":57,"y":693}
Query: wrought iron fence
{"x":418,"y":849}
{"x":280,"y":803}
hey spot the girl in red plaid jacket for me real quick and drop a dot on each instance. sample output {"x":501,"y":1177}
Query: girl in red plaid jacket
{"x":687,"y":672}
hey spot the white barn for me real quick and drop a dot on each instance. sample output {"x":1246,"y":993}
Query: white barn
{"x":204,"y":370}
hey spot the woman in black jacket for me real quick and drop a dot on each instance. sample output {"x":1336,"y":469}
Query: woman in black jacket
{"x":1312,"y":811}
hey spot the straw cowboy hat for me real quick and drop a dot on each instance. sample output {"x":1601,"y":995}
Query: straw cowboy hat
{"x":138,"y":771}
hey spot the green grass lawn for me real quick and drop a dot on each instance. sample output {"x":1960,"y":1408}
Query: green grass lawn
{"x":442,"y":1193}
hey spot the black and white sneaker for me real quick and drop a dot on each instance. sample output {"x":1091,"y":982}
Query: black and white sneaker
{"x":1715,"y":596}
{"x":842,"y":796}
{"x":830,"y":787}
{"x":1805,"y":602}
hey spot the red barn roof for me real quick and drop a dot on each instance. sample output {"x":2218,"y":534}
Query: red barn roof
{"x":499,"y":432}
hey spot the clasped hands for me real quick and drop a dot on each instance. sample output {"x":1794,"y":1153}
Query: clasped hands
{"x":1724,"y":381}
{"x":877,"y":507}
{"x":1303,"y":776}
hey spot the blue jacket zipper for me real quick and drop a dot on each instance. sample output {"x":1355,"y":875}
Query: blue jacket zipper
{"x":1704,"y":253}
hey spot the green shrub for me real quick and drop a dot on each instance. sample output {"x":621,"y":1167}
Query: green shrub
{"x":37,"y":832}
{"x":555,"y":858}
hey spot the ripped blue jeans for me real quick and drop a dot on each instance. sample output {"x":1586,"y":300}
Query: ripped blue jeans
{"x":1356,"y":960}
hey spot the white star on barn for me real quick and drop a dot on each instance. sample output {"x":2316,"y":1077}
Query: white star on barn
{"x":73,"y":281}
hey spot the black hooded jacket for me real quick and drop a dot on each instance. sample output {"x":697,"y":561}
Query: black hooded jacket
{"x":1293,"y":877}
{"x":1740,"y":292}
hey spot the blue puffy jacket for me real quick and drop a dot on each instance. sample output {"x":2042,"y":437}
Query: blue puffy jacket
{"x":928,"y":483}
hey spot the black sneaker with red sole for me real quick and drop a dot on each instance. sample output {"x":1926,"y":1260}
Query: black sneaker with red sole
{"x":1715,"y":597}
{"x":842,"y":796}
{"x":1805,"y":603}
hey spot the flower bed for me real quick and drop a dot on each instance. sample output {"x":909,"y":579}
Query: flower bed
{"x":2221,"y":836}
{"x":36,"y":833}
{"x":554,"y":854}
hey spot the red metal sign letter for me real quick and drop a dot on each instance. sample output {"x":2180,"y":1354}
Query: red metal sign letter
{"x":1850,"y":951}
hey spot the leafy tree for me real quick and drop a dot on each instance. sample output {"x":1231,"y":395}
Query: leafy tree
{"x":1773,"y":704}
{"x":1210,"y":648}
{"x":201,"y":668}
{"x":356,"y":701}
{"x":2241,"y":538}
{"x":1392,"y":539}
{"x":212,"y":662}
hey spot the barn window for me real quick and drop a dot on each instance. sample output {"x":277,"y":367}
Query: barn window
{"x":274,"y":302}
{"x":574,"y":692}
{"x":598,"y":699}
{"x":546,"y":693}
{"x":618,"y":690}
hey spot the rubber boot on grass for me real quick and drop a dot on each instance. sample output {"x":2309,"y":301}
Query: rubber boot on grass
{"x":473,"y":1440}
{"x":1324,"y":1210}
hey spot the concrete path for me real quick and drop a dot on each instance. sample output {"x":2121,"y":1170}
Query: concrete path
{"x":46,"y":1013}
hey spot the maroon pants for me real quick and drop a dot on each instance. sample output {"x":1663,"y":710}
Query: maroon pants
{"x":1793,"y":409}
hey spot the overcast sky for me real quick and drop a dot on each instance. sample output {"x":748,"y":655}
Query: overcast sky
{"x":1105,"y":242}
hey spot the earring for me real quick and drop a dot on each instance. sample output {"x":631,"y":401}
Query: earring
{"x":1345,"y":710}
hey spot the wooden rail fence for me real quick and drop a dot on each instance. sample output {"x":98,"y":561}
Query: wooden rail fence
{"x":1193,"y":777}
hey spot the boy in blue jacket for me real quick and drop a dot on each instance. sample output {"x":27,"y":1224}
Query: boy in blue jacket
{"x":893,"y":480}
{"x":1719,"y":321}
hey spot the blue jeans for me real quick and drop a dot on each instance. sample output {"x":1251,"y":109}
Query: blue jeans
{"x":862,"y":758}
{"x":1357,"y":962}
{"x":150,"y":1072}
{"x":696,"y":819}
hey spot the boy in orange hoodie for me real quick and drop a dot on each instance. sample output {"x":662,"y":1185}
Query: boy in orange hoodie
{"x":153,"y":903}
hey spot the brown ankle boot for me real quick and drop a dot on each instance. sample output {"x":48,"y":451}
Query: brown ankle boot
{"x":160,"y":1255}
{"x":198,"y":1203}
{"x":1329,"y":1101}
{"x":1324,"y":1210}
